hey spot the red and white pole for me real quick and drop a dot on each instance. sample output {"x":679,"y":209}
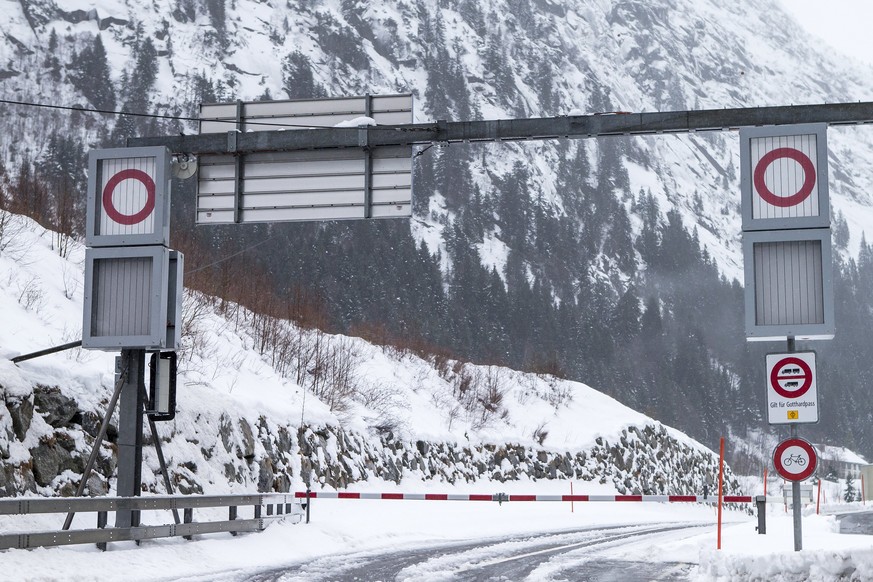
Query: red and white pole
{"x":765,"y":481}
{"x":818,"y":497}
{"x":571,"y":495}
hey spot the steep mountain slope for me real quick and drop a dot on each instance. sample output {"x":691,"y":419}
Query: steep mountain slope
{"x":583,"y":258}
{"x":254,"y":413}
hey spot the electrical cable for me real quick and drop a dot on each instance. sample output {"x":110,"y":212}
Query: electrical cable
{"x":179,"y":117}
{"x":236,"y":254}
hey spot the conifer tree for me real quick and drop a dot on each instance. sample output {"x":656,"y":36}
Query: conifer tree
{"x":89,"y":73}
{"x":850,"y":493}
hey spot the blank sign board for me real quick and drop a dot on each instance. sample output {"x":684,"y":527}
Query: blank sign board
{"x":307,"y":185}
{"x":327,"y":184}
{"x":132,"y":298}
{"x":788,"y":284}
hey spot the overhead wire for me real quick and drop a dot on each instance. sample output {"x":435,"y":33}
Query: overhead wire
{"x":236,"y":254}
{"x":176,"y":117}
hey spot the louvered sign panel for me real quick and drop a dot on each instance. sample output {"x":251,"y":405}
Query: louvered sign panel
{"x":325,"y":184}
{"x":789,"y":284}
{"x":128,"y":199}
{"x":784,"y":178}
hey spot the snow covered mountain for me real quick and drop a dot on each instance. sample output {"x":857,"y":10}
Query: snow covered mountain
{"x":461,"y":59}
{"x":578,"y":257}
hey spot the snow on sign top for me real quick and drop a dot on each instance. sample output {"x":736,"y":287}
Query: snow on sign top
{"x":128,"y":197}
{"x":784,"y":177}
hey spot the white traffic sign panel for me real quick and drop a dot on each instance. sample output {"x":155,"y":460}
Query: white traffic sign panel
{"x":128,"y":197}
{"x":795,"y":459}
{"x":792,"y":393}
{"x":784,"y":177}
{"x":318,"y":184}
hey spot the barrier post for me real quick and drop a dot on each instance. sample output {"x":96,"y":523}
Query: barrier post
{"x":818,"y":498}
{"x":188,"y":517}
{"x":761,"y":505}
{"x":720,"y":485}
{"x":308,"y":502}
{"x":102,"y":518}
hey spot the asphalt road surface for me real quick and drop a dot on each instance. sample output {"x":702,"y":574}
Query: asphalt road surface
{"x":572,"y":555}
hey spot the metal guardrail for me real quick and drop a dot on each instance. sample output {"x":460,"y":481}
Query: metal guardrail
{"x":275,"y":505}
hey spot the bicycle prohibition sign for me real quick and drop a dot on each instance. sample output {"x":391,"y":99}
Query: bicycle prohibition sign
{"x":795,"y":459}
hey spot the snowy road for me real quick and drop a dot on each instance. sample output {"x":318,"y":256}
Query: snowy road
{"x":582,"y":554}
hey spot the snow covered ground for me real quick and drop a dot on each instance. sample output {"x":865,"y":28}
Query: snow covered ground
{"x":356,"y":527}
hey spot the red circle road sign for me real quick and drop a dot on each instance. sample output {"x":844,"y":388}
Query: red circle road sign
{"x":109,"y":190}
{"x":791,"y":377}
{"x":795,"y":459}
{"x":808,"y":177}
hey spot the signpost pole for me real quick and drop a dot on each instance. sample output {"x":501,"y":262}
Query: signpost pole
{"x":130,"y":417}
{"x":720,"y":486}
{"x":795,"y":497}
{"x":795,"y":485}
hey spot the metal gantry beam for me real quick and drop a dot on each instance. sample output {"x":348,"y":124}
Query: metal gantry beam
{"x":571,"y":126}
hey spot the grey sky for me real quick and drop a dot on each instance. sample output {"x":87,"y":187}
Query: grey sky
{"x":843,"y":24}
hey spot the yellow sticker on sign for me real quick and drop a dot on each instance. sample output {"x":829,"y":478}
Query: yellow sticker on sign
{"x":793,"y":415}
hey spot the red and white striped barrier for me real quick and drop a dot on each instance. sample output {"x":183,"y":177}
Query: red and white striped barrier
{"x":502,"y":497}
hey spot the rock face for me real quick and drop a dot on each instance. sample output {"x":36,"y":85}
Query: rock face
{"x":644,"y":460}
{"x":53,"y":438}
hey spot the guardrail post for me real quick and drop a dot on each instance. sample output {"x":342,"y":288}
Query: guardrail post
{"x":102,"y":517}
{"x":761,"y":503}
{"x":231,"y":515}
{"x":188,"y":517}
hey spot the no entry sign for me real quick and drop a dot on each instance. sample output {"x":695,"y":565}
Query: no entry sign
{"x":128,"y":197}
{"x":792,"y":394}
{"x":784,"y":177}
{"x":795,"y":459}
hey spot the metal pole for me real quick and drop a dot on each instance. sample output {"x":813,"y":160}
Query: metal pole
{"x":130,"y":435}
{"x":47,"y":351}
{"x":795,"y":486}
{"x":98,"y":440}
{"x":308,"y":502}
{"x":574,"y":126}
{"x":720,"y":485}
{"x":101,"y":524}
{"x":795,"y":498}
{"x":160,"y":452}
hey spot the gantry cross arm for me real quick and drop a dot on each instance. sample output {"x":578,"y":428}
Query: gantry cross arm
{"x":571,"y":126}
